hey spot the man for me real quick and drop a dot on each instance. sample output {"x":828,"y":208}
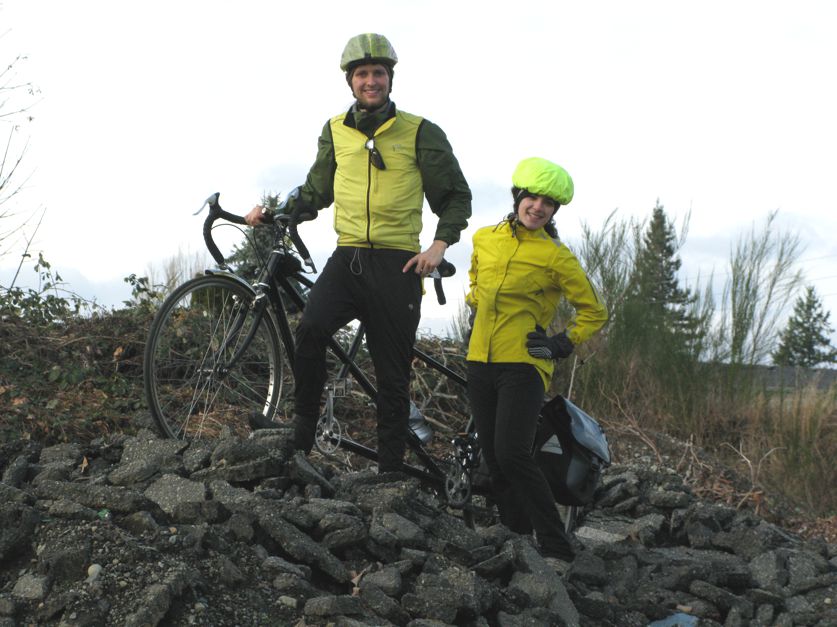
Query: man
{"x":376,"y":164}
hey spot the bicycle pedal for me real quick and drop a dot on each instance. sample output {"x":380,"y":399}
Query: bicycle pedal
{"x":340,"y":388}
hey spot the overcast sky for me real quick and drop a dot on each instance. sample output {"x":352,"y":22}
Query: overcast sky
{"x":721,"y":108}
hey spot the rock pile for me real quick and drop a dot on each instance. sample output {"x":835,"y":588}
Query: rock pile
{"x":136,"y":530}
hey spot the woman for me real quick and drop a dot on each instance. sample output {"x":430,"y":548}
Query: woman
{"x":519,"y":272}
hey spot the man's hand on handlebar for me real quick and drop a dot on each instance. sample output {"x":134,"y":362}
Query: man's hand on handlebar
{"x":293,"y":206}
{"x":426,"y":262}
{"x":257,"y":216}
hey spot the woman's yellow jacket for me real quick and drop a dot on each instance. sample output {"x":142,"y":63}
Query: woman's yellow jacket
{"x":517,"y":278}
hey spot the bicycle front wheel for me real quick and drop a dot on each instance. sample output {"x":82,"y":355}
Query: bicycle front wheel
{"x":213,"y":363}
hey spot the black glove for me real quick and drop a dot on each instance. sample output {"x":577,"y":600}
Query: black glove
{"x":300,"y":211}
{"x":542,"y":346}
{"x":296,"y":208}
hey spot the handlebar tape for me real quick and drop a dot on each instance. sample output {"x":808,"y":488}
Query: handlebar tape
{"x":445,"y":269}
{"x":216,"y":212}
{"x":300,"y":245}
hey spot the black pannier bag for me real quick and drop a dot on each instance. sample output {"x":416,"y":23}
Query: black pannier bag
{"x":571,"y":450}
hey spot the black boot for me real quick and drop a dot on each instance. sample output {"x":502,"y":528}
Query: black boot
{"x":511,"y":509}
{"x":390,"y":455}
{"x":305,"y":429}
{"x":557,"y":547}
{"x":558,"y":544}
{"x":258,"y":420}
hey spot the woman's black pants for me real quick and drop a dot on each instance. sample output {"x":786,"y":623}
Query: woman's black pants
{"x":506,"y":399}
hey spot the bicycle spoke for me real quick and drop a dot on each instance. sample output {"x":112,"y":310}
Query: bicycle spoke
{"x":212,"y":360}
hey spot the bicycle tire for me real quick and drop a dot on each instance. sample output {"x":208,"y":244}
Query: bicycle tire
{"x":190,"y":390}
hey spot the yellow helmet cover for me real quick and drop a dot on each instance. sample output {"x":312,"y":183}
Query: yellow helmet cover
{"x":544,"y":178}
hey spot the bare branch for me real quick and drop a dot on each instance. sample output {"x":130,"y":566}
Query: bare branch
{"x":6,"y":174}
{"x":25,"y":254}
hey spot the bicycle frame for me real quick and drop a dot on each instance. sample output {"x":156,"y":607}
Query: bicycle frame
{"x":431,"y":471}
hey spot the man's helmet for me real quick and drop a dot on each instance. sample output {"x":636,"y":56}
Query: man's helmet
{"x":544,"y":178}
{"x":368,"y":48}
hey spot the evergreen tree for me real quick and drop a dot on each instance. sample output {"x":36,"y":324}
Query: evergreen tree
{"x":249,"y":257}
{"x":805,"y":341}
{"x":655,"y":290}
{"x":657,"y":330}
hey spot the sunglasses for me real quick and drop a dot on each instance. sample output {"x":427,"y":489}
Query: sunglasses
{"x":375,"y":155}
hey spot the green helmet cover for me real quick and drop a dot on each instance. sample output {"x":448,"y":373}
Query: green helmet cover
{"x":544,"y":178}
{"x":369,"y":47}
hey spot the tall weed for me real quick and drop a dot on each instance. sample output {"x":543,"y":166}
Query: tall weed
{"x":708,"y":386}
{"x":801,"y":423}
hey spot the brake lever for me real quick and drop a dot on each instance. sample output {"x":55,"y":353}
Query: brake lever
{"x":213,"y":199}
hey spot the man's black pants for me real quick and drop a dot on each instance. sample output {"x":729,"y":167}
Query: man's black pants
{"x":368,"y":285}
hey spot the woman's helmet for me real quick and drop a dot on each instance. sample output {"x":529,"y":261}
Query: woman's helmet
{"x":368,"y":48}
{"x":543,"y":178}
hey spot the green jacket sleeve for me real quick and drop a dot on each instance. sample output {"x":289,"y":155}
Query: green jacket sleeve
{"x":445,"y":187}
{"x":318,"y":190}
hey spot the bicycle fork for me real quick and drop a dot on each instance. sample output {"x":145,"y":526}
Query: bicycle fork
{"x":231,"y":337}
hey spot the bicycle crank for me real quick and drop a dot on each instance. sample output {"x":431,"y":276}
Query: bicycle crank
{"x":328,"y":435}
{"x":457,"y":485}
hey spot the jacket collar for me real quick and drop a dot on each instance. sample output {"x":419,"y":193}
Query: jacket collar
{"x":515,"y":229}
{"x":367,"y":122}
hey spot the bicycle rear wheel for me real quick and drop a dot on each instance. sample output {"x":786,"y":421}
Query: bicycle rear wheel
{"x":208,"y":370}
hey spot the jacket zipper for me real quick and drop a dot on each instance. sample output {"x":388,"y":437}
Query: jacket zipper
{"x":499,"y":287}
{"x":368,"y":200}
